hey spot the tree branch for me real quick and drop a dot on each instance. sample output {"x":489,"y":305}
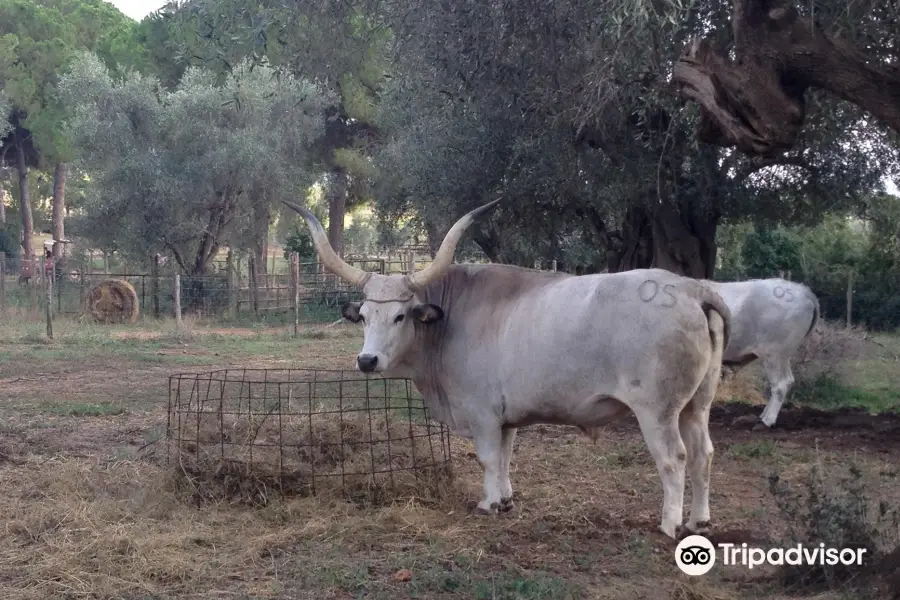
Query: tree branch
{"x":756,"y":103}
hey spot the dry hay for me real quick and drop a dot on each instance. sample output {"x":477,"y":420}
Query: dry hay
{"x":361,"y":457}
{"x":113,"y":301}
{"x":741,"y":386}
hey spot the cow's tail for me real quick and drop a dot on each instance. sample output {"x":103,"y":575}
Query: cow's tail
{"x":718,"y":315}
{"x":718,"y":318}
{"x":816,"y":311}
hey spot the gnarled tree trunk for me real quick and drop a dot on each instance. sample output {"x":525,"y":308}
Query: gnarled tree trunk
{"x":756,"y":102}
{"x":665,"y":238}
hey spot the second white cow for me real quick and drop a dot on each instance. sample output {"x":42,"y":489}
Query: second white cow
{"x":770,"y":319}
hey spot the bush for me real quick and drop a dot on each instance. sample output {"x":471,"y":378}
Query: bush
{"x":300,"y":241}
{"x":837,"y":515}
{"x":825,"y":348}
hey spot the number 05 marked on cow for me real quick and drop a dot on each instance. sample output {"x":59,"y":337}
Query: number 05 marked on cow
{"x":650,"y":289}
{"x":492,"y":348}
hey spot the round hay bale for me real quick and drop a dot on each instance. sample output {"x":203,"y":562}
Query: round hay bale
{"x":113,"y":301}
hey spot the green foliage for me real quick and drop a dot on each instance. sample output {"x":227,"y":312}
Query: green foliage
{"x":179,"y":171}
{"x":828,"y":392}
{"x":5,"y":110}
{"x":8,"y":245}
{"x":300,"y":241}
{"x":360,"y":236}
{"x":825,"y":256}
{"x":37,"y":40}
{"x":768,"y":251}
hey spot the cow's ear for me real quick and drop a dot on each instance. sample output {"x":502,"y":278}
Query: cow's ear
{"x":350,"y":311}
{"x":427,"y":313}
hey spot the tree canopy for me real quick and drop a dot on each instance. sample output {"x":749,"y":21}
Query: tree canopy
{"x":570,"y":115}
{"x":37,"y":40}
{"x":176,"y":170}
{"x":619,"y":136}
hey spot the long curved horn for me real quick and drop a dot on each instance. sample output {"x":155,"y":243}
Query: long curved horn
{"x":444,"y":256}
{"x":332,"y":261}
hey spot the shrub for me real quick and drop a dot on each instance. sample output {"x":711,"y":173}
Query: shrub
{"x":829,"y":345}
{"x":838,"y":515}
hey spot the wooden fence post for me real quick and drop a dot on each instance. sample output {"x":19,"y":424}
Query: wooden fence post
{"x":849,"y":298}
{"x":2,"y":283}
{"x":48,"y":288}
{"x":154,"y":286}
{"x":238,"y":283}
{"x":254,"y":299}
{"x":295,"y":289}
{"x":176,"y":295}
{"x":229,"y":280}
{"x":553,"y":265}
{"x":58,"y":287}
{"x":54,"y":284}
{"x":82,"y":290}
{"x":33,"y":282}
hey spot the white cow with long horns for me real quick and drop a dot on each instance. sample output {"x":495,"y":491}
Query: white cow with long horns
{"x":493,"y":348}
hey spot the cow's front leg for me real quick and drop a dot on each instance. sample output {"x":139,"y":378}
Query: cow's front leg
{"x":489,"y":449}
{"x":506,"y":451}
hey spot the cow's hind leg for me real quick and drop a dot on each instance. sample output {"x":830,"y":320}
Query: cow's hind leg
{"x":506,"y":451}
{"x":694,"y":425}
{"x":664,"y":441}
{"x":778,"y":372}
{"x":489,"y":449}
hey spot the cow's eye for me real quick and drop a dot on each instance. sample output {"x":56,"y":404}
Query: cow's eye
{"x":398,"y":318}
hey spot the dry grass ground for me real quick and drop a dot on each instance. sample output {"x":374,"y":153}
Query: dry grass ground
{"x":91,"y":509}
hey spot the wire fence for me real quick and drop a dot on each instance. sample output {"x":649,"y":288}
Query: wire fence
{"x":229,"y":290}
{"x":245,"y":433}
{"x":232,"y":290}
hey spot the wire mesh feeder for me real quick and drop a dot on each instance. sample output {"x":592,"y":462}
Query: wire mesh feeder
{"x":246,"y":433}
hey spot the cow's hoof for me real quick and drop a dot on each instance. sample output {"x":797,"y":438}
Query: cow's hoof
{"x":761,"y":426}
{"x":487,"y":512}
{"x":670,"y":532}
{"x":700,"y":528}
{"x":506,"y":504}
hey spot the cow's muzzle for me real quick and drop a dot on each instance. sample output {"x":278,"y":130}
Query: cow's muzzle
{"x":367,"y":363}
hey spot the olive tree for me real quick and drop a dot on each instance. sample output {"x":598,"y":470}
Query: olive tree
{"x":570,"y":114}
{"x":181,"y":170}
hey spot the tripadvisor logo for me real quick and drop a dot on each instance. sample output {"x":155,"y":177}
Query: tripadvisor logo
{"x":696,"y":555}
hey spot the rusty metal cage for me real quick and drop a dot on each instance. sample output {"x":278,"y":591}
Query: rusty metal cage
{"x":251,"y":432}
